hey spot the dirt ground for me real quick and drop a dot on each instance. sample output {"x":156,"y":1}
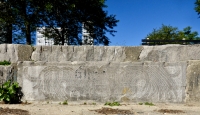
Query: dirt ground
{"x":92,"y":108}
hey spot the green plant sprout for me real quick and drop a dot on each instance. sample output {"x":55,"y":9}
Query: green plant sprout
{"x":112,"y":104}
{"x":65,"y":102}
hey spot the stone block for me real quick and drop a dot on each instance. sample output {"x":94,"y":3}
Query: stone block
{"x":78,"y":54}
{"x":119,"y":54}
{"x":42,"y":53}
{"x":68,"y":52}
{"x":3,"y":52}
{"x":103,"y":81}
{"x":56,"y":54}
{"x":15,"y":52}
{"x":170,"y":53}
{"x":83,"y":53}
{"x":108,"y":53}
{"x":89,"y":51}
{"x":164,"y":53}
{"x":132,"y":53}
{"x":192,"y":52}
{"x":8,"y":72}
{"x":36,"y":53}
{"x":98,"y":53}
{"x":24,"y":52}
{"x":193,"y":82}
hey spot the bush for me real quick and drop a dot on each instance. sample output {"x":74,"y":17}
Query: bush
{"x":10,"y":92}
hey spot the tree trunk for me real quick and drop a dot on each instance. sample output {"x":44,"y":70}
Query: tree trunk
{"x":9,"y":34}
{"x":62,"y":40}
{"x":28,"y":33}
{"x":26,"y":22}
{"x":63,"y":36}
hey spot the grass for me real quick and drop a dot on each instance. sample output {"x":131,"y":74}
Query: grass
{"x":147,"y":103}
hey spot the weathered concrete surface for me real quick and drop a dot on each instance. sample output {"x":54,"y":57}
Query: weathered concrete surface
{"x":132,"y":53}
{"x":103,"y":81}
{"x":86,"y":53}
{"x":164,"y":53}
{"x":193,"y":81}
{"x":14,"y":52}
{"x":170,"y":53}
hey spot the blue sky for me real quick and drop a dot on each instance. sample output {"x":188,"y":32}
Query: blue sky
{"x":139,"y":17}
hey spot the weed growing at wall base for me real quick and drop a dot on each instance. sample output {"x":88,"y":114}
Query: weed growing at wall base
{"x":5,"y":62}
{"x":147,"y":103}
{"x":140,"y":103}
{"x":150,"y":104}
{"x":112,"y":104}
{"x":65,"y":102}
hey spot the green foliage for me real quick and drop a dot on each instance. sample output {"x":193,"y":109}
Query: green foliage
{"x":23,"y":16}
{"x":197,"y":6}
{"x":5,"y":62}
{"x":140,"y":103}
{"x":150,"y":104}
{"x":172,"y":33}
{"x":112,"y":104}
{"x":10,"y":92}
{"x":147,"y":103}
{"x":65,"y":102}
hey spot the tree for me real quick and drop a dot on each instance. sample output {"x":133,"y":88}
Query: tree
{"x":27,"y":17}
{"x":163,"y":33}
{"x":63,"y":19}
{"x":6,"y":21}
{"x":19,"y":17}
{"x":69,"y":15}
{"x":197,"y":6}
{"x":189,"y":35}
{"x":172,"y":33}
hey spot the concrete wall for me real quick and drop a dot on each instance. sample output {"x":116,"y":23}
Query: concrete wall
{"x":165,"y":73}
